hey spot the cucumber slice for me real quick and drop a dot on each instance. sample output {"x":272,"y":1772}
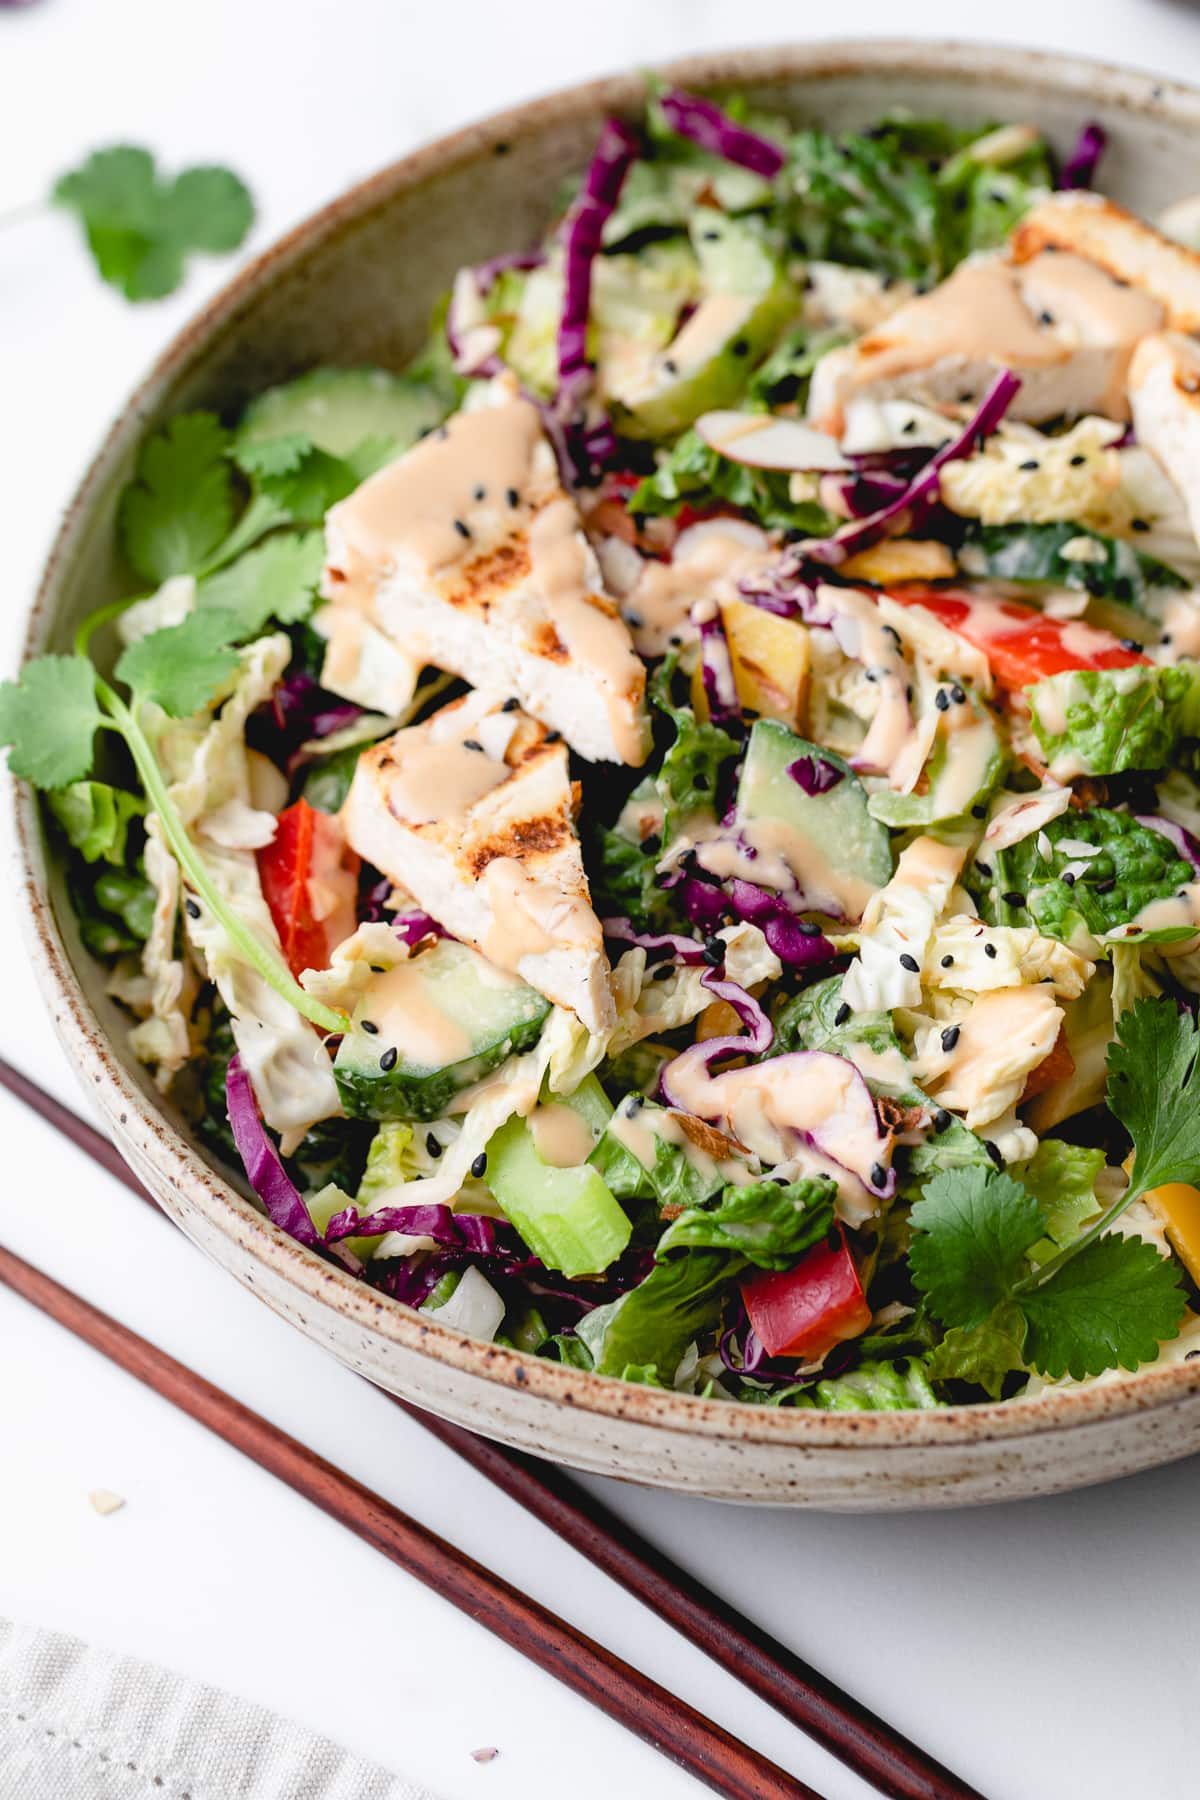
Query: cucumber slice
{"x":428,"y":1028}
{"x":342,"y":410}
{"x":965,"y":767}
{"x":567,"y":1216}
{"x":747,"y":301}
{"x":837,"y":823}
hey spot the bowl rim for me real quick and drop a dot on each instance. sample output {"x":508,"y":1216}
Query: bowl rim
{"x":142,"y":1126}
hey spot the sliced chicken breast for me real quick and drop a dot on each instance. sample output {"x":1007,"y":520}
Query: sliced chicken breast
{"x":467,"y":553}
{"x":1124,"y":246}
{"x":472,"y":812}
{"x":1164,"y":392}
{"x":1059,"y":321}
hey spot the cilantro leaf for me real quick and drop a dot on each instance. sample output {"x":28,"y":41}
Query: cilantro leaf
{"x":140,"y":227}
{"x":302,"y":480}
{"x":972,"y":1229}
{"x":277,"y":579}
{"x":1108,"y":1307}
{"x":179,"y":508}
{"x":49,"y":718}
{"x":1154,"y":1090}
{"x":183,"y":667}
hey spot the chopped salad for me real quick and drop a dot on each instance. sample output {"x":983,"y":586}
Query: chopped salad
{"x":661,"y":834}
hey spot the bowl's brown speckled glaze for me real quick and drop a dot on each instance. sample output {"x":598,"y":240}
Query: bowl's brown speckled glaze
{"x":355,"y":283}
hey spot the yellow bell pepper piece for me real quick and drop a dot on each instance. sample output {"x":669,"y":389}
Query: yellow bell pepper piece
{"x":901,"y":559}
{"x":1178,"y":1206}
{"x":770,"y":663}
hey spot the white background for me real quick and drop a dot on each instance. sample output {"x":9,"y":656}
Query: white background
{"x":1047,"y":1651}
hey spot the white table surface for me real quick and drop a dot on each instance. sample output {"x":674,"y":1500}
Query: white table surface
{"x":1047,"y":1650}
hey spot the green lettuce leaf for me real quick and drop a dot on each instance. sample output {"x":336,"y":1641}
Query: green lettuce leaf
{"x":770,"y":1223}
{"x":654,"y":1323}
{"x":96,"y":818}
{"x":1111,"y":568}
{"x":692,"y":474}
{"x":1116,"y":719}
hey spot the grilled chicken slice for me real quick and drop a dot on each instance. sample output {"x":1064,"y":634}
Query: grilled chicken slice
{"x":1081,"y":284}
{"x":467,"y":553}
{"x":1164,"y":392}
{"x":472,"y":812}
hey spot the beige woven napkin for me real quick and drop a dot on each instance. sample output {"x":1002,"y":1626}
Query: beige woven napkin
{"x":81,"y":1723}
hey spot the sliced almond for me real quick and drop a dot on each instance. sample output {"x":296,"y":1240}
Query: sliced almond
{"x":764,"y":442}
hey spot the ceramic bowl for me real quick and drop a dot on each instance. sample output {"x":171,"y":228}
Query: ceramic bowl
{"x":355,"y":283}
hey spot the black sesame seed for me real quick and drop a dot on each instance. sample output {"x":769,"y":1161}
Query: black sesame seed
{"x":479,"y":1166}
{"x":511,"y":704}
{"x":958,"y":695}
{"x":979,"y":812}
{"x":479,"y":493}
{"x":554,"y":737}
{"x":701,"y":783}
{"x":889,"y":631}
{"x":191,"y":908}
{"x":432,"y":1146}
{"x":908,"y":426}
{"x":634,"y":620}
{"x":711,"y":237}
{"x":1106,"y":887}
{"x":652,"y":845}
{"x":984,"y":868}
{"x":1013,"y":898}
{"x":370,"y":1027}
{"x":389,"y":1058}
{"x":1046,"y":318}
{"x":472,"y":744}
{"x":1165,"y":639}
{"x":663,"y":972}
{"x":512,"y":496}
{"x":990,"y":950}
{"x":674,"y":640}
{"x":942,"y":700}
{"x":909,"y":693}
{"x":1139,"y":524}
{"x":878,"y":1175}
{"x":670,"y":365}
{"x":1068,"y":878}
{"x":949,"y":1038}
{"x":740,"y":347}
{"x":635,"y":1103}
{"x":462,"y":528}
{"x":966,"y":397}
{"x":842,"y":1013}
{"x":1032,"y":464}
{"x":993,"y":1152}
{"x":1077,"y":462}
{"x":806,"y":928}
{"x":714,"y":951}
{"x":947,"y":962}
{"x":910,"y":963}
{"x":378,"y":969}
{"x":941,"y":1121}
{"x":1130,"y":644}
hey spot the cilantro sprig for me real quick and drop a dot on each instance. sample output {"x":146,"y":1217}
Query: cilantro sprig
{"x":141,"y":227}
{"x":1106,"y":1300}
{"x":50,"y":718}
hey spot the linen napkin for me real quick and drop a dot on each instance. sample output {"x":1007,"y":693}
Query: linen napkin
{"x":82,"y":1723}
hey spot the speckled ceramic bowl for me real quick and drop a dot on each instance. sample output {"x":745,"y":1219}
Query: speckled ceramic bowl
{"x":356,"y":283}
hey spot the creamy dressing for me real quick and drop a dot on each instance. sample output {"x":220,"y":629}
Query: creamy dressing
{"x":561,"y":1136}
{"x":588,"y":623}
{"x":709,"y":561}
{"x":531,"y":917}
{"x":977,"y":313}
{"x":778,"y":856}
{"x":409,"y":1018}
{"x":641,"y":1129}
{"x":1004,"y":1036}
{"x":1084,"y":298}
{"x":866,"y":638}
{"x":970,"y":747}
{"x":1170,"y":914}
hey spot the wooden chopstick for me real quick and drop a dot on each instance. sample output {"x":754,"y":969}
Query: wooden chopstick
{"x":651,"y":1712}
{"x":887,"y":1759}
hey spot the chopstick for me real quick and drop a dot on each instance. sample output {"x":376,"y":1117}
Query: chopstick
{"x":887,"y":1759}
{"x":651,"y":1712}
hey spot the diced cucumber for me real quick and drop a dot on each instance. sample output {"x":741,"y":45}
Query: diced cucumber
{"x":325,"y":1205}
{"x":837,"y":823}
{"x":343,"y":409}
{"x":747,"y":300}
{"x":567,"y":1216}
{"x":428,"y":1028}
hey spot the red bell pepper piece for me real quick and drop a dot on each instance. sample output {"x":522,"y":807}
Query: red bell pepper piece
{"x":1022,"y":645}
{"x":309,"y":879}
{"x":805,"y":1311}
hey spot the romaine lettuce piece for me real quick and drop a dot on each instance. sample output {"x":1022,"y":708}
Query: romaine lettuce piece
{"x":654,"y":1323}
{"x":1066,"y":555}
{"x":770,"y":1223}
{"x":1104,"y":721}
